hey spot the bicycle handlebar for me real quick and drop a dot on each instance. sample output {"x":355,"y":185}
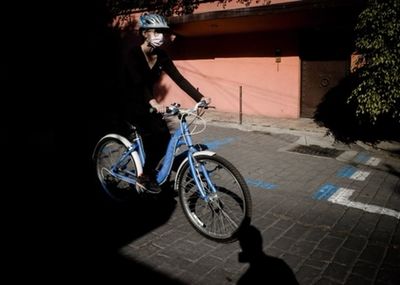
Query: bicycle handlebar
{"x":174,"y":108}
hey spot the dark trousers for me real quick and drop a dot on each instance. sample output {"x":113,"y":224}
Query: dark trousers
{"x":155,"y":134}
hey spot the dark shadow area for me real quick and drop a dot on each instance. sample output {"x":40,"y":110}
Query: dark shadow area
{"x":340,"y":118}
{"x":263,"y":269}
{"x":109,"y":226}
{"x":60,"y":62}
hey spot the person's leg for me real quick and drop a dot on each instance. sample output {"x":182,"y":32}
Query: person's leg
{"x":155,"y":134}
{"x":155,"y":142}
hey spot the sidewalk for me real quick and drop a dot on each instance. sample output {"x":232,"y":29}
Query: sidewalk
{"x":310,"y":133}
{"x":326,"y":220}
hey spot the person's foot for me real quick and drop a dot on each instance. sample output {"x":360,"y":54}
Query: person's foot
{"x":147,"y":184}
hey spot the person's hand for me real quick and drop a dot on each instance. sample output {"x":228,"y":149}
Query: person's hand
{"x":206,"y":100}
{"x":158,"y":107}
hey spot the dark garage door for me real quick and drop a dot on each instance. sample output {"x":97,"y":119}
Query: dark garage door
{"x":317,"y":77}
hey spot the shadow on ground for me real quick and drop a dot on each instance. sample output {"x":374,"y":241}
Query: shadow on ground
{"x":111,"y":226}
{"x":263,"y":268}
{"x":339,"y":117}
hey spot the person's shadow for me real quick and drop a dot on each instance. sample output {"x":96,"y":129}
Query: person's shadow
{"x":263,"y":268}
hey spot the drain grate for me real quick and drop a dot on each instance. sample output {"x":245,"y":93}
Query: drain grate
{"x":317,"y":150}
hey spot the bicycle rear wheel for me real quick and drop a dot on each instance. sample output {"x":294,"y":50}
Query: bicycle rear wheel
{"x":108,"y":152}
{"x":223,"y":214}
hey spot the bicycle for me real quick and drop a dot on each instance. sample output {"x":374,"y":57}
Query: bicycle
{"x":212,"y":193}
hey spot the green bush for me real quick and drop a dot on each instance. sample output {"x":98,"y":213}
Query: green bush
{"x":377,"y":94}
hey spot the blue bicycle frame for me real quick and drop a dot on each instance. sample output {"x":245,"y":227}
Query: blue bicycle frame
{"x":180,"y":137}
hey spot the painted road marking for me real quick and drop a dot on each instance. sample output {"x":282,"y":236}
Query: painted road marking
{"x":260,"y":184}
{"x":325,"y":192}
{"x":341,"y":196}
{"x":353,"y":173}
{"x":215,"y":144}
{"x":367,"y":160}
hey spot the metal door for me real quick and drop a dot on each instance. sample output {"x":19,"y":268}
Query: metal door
{"x":317,"y":78}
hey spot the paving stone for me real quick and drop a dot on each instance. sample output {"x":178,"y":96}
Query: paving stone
{"x":393,"y":255}
{"x":224,"y":251}
{"x":358,"y":280}
{"x":292,"y":260}
{"x":355,"y":243}
{"x":218,"y":276}
{"x":316,"y":263}
{"x":348,"y":221}
{"x":303,"y":248}
{"x":270,"y":234}
{"x":307,"y":275}
{"x":315,"y":234}
{"x":326,"y":281}
{"x":265,"y":221}
{"x":389,"y":275}
{"x":366,"y":224}
{"x":321,"y":255}
{"x":204,"y":265}
{"x":296,"y":231}
{"x":380,"y":237}
{"x":275,"y":252}
{"x":365,"y":269}
{"x":387,"y":223}
{"x":373,"y":253}
{"x":330,"y":243}
{"x":283,"y":243}
{"x":336,"y":271}
{"x":345,"y":256}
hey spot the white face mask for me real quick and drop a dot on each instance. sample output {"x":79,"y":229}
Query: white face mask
{"x":156,"y":40}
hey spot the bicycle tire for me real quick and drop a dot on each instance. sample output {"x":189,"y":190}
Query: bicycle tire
{"x":107,"y":153}
{"x":224,"y":216}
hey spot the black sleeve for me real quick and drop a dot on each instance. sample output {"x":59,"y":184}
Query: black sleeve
{"x":169,"y":67}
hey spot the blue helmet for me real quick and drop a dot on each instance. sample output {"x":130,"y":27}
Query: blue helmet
{"x":152,"y":21}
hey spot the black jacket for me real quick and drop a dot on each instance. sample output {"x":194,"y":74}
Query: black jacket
{"x":139,"y":79}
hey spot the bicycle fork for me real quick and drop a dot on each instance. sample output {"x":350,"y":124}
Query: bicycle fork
{"x":198,"y":170}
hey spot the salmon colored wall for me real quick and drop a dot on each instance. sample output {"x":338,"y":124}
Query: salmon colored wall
{"x":219,"y":65}
{"x":268,"y":88}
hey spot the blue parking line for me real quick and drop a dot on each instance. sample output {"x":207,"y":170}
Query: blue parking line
{"x":260,"y":184}
{"x":215,"y":144}
{"x":347,"y":171}
{"x":326,"y":191}
{"x":362,"y":158}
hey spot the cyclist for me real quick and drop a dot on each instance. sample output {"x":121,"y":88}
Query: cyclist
{"x":142,"y":69}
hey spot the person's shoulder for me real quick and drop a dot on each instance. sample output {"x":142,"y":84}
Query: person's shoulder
{"x":162,"y":53}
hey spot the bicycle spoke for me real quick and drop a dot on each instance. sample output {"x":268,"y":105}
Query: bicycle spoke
{"x":221,"y":214}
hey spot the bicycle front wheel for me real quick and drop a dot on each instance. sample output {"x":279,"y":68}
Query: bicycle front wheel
{"x":108,"y":152}
{"x":219,"y":216}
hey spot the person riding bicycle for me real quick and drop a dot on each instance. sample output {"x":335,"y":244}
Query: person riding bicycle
{"x":142,"y":69}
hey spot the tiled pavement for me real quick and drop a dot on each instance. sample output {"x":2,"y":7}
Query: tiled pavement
{"x":320,"y":238}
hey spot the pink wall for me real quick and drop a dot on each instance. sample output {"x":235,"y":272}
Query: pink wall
{"x":219,"y":65}
{"x":267,"y":89}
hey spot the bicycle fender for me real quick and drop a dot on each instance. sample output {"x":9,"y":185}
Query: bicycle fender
{"x":178,"y":172}
{"x":127,"y":143}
